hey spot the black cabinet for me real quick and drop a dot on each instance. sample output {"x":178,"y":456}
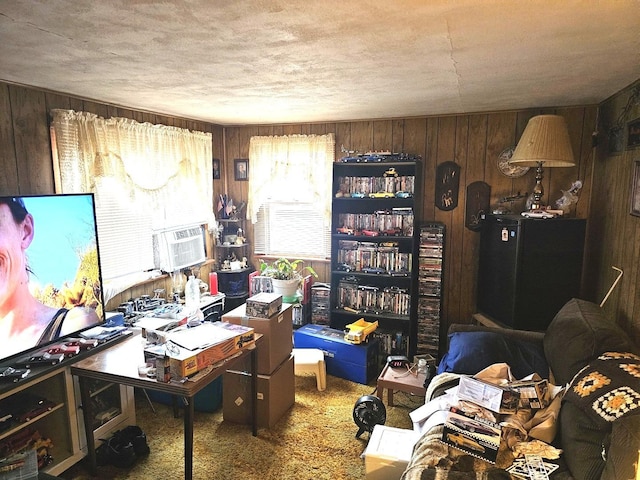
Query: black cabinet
{"x":374,"y":249}
{"x":529,"y":268}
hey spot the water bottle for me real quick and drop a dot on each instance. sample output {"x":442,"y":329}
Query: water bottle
{"x":192,"y":298}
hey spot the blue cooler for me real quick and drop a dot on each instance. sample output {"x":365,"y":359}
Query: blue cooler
{"x":357,"y":363}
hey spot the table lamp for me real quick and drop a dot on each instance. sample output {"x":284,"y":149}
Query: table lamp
{"x":545,"y":141}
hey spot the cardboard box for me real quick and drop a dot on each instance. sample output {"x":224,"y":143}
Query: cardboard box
{"x":264,"y":305}
{"x":276,"y":344}
{"x":388,"y":452}
{"x":357,"y":363}
{"x":467,"y":443}
{"x":500,"y":399}
{"x":533,"y":393}
{"x":473,"y":435}
{"x":276,"y":394}
{"x":186,"y":362}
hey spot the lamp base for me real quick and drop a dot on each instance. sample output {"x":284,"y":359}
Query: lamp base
{"x":534,"y":202}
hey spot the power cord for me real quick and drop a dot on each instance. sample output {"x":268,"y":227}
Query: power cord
{"x":412,"y":369}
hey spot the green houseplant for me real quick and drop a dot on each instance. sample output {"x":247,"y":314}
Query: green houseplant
{"x":286,"y":274}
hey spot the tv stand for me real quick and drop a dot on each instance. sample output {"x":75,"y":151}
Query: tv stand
{"x":63,"y":422}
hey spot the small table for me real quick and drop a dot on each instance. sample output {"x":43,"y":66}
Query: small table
{"x":402,"y":380}
{"x":119,"y":364}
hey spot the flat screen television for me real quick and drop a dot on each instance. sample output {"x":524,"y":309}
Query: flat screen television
{"x":50,"y":277}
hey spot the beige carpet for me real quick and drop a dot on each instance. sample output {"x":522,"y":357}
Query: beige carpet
{"x":314,"y":440}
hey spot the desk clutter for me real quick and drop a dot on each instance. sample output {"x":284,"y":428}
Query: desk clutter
{"x":177,"y":349}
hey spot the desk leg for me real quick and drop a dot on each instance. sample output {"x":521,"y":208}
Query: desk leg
{"x":188,"y":438}
{"x":254,"y":393}
{"x":87,"y":415}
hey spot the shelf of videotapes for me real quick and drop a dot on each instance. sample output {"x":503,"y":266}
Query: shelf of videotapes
{"x":365,"y":298}
{"x":359,"y":187}
{"x":373,"y":257}
{"x":430,"y":269}
{"x":397,"y":221}
{"x":390,"y":343}
{"x":374,"y":250}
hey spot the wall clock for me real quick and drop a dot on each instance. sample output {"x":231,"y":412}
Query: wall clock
{"x":447,"y":185}
{"x":512,"y":171}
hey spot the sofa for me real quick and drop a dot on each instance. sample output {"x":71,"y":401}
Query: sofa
{"x":597,"y":426}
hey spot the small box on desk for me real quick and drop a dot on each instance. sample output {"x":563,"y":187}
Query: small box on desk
{"x":220,"y":340}
{"x":357,"y":363}
{"x":276,"y":344}
{"x":264,"y":305}
{"x":276,"y":394}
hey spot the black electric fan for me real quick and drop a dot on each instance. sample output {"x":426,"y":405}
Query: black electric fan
{"x":368,"y":412}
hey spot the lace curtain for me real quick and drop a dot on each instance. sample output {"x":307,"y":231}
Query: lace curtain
{"x":164,"y":169}
{"x":145,"y":177}
{"x":291,"y":168}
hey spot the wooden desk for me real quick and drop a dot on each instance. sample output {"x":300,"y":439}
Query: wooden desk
{"x":119,"y":364}
{"x":399,"y":379}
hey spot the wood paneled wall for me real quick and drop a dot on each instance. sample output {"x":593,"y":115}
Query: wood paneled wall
{"x":26,"y":165}
{"x":474,"y":141}
{"x":613,"y":232}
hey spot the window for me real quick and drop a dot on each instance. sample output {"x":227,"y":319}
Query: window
{"x":144,"y":177}
{"x":291,"y":209}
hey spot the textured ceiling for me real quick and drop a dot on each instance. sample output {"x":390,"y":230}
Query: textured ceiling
{"x":270,"y":61}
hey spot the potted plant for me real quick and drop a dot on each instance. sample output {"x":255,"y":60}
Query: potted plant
{"x":286,"y":274}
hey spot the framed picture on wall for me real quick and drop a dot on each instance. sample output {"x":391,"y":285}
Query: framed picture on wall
{"x":241,"y":169}
{"x":216,"y":169}
{"x":633,"y":134}
{"x":635,"y":189}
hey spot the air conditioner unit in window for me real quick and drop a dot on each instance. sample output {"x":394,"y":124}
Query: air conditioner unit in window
{"x":177,"y":248}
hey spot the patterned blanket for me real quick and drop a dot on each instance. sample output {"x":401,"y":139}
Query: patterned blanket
{"x":608,"y":388}
{"x":433,"y":460}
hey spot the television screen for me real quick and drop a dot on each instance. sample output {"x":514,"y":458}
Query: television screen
{"x":50,"y":279}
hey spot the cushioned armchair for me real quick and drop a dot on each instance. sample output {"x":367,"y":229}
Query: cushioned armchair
{"x":599,"y":419}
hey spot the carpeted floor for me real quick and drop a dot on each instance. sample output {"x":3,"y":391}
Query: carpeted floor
{"x":314,"y":440}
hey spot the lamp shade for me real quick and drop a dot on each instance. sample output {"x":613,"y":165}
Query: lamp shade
{"x":545,"y":141}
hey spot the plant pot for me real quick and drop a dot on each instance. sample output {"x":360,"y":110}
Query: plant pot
{"x":286,"y":288}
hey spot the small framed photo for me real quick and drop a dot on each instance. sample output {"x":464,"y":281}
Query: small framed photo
{"x":635,"y":190}
{"x":633,"y":134}
{"x":241,"y":169}
{"x":216,"y":169}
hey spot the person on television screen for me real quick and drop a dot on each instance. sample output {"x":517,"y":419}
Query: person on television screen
{"x":26,"y":322}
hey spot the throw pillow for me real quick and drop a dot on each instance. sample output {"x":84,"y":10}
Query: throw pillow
{"x":580,"y":332}
{"x":608,"y":388}
{"x":470,"y":352}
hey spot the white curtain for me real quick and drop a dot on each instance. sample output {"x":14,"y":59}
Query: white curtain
{"x":145,"y":177}
{"x":166,"y":170}
{"x":291,"y":168}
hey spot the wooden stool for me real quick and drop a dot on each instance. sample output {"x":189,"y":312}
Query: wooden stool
{"x":311,"y":360}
